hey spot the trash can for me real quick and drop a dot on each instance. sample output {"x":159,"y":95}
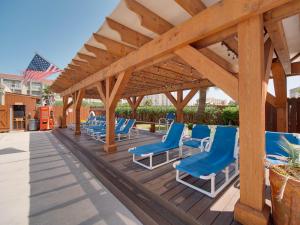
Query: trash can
{"x":32,"y":124}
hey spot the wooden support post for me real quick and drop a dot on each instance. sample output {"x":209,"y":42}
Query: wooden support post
{"x":281,"y":97}
{"x":110,"y":145}
{"x":78,"y":100}
{"x":66,"y":105}
{"x":201,"y":104}
{"x":251,"y":207}
{"x":134,"y":103}
{"x":114,"y":90}
{"x":180,"y":102}
{"x":64,"y":112}
{"x":179,"y":108}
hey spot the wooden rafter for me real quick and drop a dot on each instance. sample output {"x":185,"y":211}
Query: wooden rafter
{"x":185,"y":34}
{"x":114,"y":47}
{"x":127,"y":34}
{"x":149,"y":19}
{"x":194,"y":7}
{"x":171,"y":88}
{"x":212,"y":71}
{"x":277,"y":35}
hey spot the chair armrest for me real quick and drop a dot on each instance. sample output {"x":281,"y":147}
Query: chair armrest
{"x":162,"y":120}
{"x":205,"y":142}
{"x":282,"y":158}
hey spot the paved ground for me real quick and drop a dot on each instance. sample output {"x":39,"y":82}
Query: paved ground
{"x":42,"y":183}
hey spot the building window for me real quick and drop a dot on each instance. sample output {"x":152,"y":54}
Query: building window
{"x":36,"y":86}
{"x":13,"y":84}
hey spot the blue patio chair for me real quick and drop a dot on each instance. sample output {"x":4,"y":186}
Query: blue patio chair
{"x":101,"y":133}
{"x":124,"y":131}
{"x":274,"y":153}
{"x":97,"y":128}
{"x":91,"y":118}
{"x":205,"y":165}
{"x":168,"y":120}
{"x":200,"y":137}
{"x":127,"y":130}
{"x":171,"y":141}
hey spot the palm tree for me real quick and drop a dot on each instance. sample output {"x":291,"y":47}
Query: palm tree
{"x":201,"y":104}
{"x":47,"y":96}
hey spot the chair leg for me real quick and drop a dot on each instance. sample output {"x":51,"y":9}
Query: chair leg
{"x":167,"y":156}
{"x":227,"y":174}
{"x":213,"y":186}
{"x":151,"y":162}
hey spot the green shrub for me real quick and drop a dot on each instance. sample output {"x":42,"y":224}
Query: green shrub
{"x":230,"y":115}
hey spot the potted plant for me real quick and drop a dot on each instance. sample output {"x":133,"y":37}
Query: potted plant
{"x":285,"y":187}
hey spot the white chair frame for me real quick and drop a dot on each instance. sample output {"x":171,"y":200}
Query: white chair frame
{"x":212,"y":177}
{"x":138,"y":160}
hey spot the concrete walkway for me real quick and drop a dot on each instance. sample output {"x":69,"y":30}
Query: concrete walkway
{"x":42,"y":183}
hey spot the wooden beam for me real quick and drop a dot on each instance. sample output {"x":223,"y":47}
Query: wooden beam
{"x":64,"y":112}
{"x":153,"y":21}
{"x":148,"y":19}
{"x":134,"y":104}
{"x":284,"y":11}
{"x":184,"y":34}
{"x":280,"y":87}
{"x":78,"y":101}
{"x":179,"y":109}
{"x":171,"y":98}
{"x":295,"y":68}
{"x":119,"y":87}
{"x":114,"y":47}
{"x":130,"y":102}
{"x":271,"y":99}
{"x":187,"y":98}
{"x":295,"y":57}
{"x":193,"y":7}
{"x":268,"y":56}
{"x":101,"y":91}
{"x":277,"y":35}
{"x":212,"y":71}
{"x":171,"y":88}
{"x":110,"y":145}
{"x":128,"y":35}
{"x":251,"y":208}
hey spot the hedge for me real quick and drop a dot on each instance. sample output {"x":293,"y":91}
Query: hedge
{"x":213,"y":114}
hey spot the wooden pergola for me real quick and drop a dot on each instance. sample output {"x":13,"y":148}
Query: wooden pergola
{"x":151,"y":47}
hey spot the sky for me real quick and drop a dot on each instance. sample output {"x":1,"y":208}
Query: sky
{"x":56,"y":30}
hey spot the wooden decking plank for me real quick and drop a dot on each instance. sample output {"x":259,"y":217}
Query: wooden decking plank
{"x":157,"y":211}
{"x":158,"y":184}
{"x":219,"y":203}
{"x":226,"y":216}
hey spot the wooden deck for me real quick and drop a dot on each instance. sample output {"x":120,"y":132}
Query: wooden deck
{"x":153,"y":196}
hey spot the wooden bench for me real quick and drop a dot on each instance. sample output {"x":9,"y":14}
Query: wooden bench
{"x":152,"y":125}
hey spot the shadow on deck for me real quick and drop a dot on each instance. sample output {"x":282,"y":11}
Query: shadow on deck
{"x":153,"y":196}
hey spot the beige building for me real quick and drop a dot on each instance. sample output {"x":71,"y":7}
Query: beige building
{"x":158,"y":100}
{"x":13,"y":83}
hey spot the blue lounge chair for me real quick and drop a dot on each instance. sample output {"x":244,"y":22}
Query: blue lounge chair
{"x":127,"y":130}
{"x":97,"y":128}
{"x":172,"y":140}
{"x":205,"y":165}
{"x":274,"y":152}
{"x":101,"y":133}
{"x":124,"y":131}
{"x":168,"y":120}
{"x":200,"y":137}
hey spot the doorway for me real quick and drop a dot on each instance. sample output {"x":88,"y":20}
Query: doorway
{"x":18,"y":117}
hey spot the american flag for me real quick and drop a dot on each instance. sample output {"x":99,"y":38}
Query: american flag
{"x":39,"y":69}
